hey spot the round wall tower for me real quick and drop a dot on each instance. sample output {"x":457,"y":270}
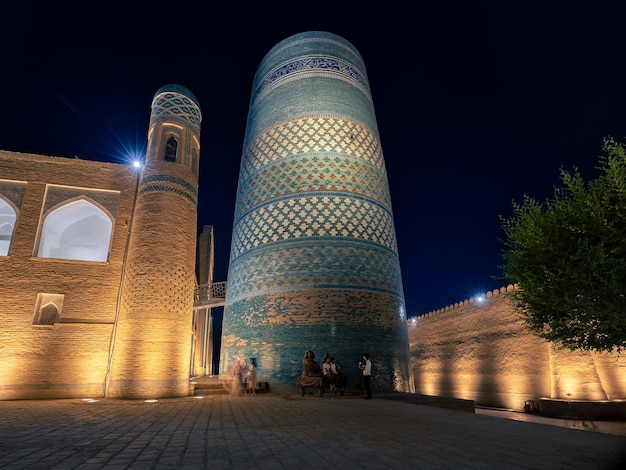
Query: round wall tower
{"x":152,"y":343}
{"x":314,"y":263}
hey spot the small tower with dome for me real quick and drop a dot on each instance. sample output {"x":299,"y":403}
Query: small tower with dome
{"x":152,"y":339}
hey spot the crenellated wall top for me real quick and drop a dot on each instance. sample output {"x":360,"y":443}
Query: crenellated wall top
{"x":471,"y":300}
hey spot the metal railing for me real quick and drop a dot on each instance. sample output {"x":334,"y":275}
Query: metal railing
{"x":209,"y":295}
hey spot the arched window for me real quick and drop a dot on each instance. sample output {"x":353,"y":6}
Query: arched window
{"x":171,"y":149}
{"x":7,"y":224}
{"x":78,"y":230}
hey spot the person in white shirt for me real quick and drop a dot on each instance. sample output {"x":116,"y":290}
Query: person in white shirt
{"x":366,"y":368}
{"x":327,"y":372}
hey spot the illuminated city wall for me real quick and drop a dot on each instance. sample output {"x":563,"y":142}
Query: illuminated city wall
{"x":314,"y":262}
{"x":68,"y":357}
{"x":483,"y":352}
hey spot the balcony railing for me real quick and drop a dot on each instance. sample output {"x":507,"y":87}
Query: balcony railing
{"x":209,"y":295}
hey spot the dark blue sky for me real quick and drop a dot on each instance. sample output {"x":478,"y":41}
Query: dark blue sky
{"x":477,"y":103}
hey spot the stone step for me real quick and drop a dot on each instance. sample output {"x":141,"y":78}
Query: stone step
{"x":221,"y":387}
{"x":203,"y":392}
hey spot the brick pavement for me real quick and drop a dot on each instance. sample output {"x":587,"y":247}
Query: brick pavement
{"x":271,"y":431}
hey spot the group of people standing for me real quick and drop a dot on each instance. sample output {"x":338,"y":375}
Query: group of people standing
{"x":244,"y":378}
{"x":333,"y":375}
{"x":329,"y":375}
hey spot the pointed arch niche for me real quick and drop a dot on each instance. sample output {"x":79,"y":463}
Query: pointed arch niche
{"x":78,"y":230}
{"x":8,"y":217}
{"x":171,"y":149}
{"x":48,"y":309}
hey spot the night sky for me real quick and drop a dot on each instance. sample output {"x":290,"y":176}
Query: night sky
{"x":477,"y":103}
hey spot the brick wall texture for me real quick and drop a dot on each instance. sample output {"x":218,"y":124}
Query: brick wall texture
{"x":69,"y":358}
{"x":483,"y":352}
{"x":153,"y":331}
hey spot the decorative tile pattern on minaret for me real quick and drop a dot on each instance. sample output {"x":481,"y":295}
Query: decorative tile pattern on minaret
{"x":314,"y":262}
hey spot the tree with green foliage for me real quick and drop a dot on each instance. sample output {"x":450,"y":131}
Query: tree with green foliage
{"x":568,"y":258}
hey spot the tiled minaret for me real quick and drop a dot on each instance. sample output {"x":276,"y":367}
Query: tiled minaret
{"x":314,"y":262}
{"x":152,"y":339}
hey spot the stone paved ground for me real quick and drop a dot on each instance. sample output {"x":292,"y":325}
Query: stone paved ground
{"x":272,"y":431}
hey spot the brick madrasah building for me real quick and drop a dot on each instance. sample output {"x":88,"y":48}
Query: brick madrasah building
{"x":99,"y":263}
{"x":104,"y":278}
